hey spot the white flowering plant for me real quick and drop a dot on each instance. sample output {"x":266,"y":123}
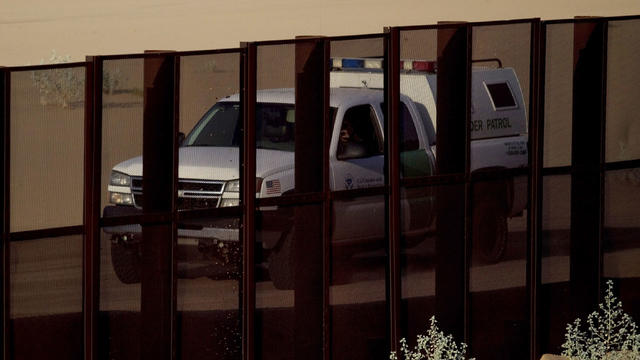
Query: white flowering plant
{"x":435,"y":345}
{"x":58,"y":86}
{"x":66,"y":86}
{"x":611,"y":334}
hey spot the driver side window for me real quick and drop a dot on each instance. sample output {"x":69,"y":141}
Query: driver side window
{"x":359,"y":134}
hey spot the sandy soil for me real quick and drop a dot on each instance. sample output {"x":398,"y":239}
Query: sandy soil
{"x":30,"y":29}
{"x":46,"y":279}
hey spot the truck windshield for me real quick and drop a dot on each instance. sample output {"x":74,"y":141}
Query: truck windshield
{"x":220,"y":126}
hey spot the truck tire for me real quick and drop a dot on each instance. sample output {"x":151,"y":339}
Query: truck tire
{"x":489,"y":223}
{"x":126,"y":262}
{"x":281,"y":263}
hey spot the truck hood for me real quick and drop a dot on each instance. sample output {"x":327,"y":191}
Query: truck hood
{"x":216,"y":163}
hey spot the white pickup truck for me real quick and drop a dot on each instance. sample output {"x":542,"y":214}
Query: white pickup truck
{"x":208,"y":168}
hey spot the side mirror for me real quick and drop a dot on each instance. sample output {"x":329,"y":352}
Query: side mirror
{"x":180,"y":138}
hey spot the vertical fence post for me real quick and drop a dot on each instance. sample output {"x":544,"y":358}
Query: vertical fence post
{"x":158,"y":182}
{"x":248,"y":197}
{"x":91,"y":216}
{"x":4,"y":113}
{"x":175,"y":146}
{"x":453,"y":108}
{"x":536,"y":128}
{"x":392,"y":179}
{"x":311,"y":85}
{"x":326,"y":208}
{"x":589,"y":84}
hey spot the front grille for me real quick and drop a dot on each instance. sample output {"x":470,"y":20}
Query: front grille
{"x":192,"y":194}
{"x":136,"y":183}
{"x":185,"y":203}
{"x":200,"y":188}
{"x":194,"y":185}
{"x":137,"y":200}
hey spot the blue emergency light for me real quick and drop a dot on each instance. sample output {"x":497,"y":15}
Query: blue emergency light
{"x":352,"y":63}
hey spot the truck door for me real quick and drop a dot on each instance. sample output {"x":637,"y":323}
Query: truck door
{"x":416,"y":160}
{"x":358,"y":163}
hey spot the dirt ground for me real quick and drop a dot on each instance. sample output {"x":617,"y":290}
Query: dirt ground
{"x":30,"y":29}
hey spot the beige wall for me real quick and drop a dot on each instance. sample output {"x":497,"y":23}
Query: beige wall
{"x":30,"y":29}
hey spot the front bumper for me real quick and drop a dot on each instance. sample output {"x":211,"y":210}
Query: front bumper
{"x":189,"y":233}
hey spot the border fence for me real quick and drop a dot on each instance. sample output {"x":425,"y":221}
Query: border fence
{"x":80,"y":283}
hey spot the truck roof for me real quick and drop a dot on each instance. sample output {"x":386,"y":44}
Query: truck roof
{"x":338,"y":96}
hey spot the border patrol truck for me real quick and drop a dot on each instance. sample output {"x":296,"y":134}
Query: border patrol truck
{"x":208,"y":168}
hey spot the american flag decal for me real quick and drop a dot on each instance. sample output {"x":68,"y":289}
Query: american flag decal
{"x":273,"y":187}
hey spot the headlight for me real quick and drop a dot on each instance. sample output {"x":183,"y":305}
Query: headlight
{"x":120,"y":198}
{"x":120,"y":179}
{"x":234,"y":185}
{"x":229,"y":202}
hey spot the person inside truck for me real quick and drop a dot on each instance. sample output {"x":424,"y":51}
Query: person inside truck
{"x":359,"y":135}
{"x":351,"y":144}
{"x":347,"y":133}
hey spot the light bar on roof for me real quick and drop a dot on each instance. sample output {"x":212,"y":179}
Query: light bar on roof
{"x":373,"y":63}
{"x":356,"y":63}
{"x":421,"y":65}
{"x":377,"y":64}
{"x":353,"y":63}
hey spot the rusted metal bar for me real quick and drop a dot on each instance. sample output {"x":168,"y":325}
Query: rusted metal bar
{"x":467,"y":191}
{"x":502,"y":22}
{"x":316,"y":198}
{"x":589,"y":84}
{"x":159,"y":131}
{"x":175,"y":145}
{"x":148,"y":54}
{"x":248,"y":197}
{"x":234,"y":211}
{"x":310,"y":84}
{"x":534,"y":225}
{"x":5,"y":97}
{"x":443,"y":25}
{"x":556,"y":170}
{"x":392,"y":179}
{"x":92,"y":176}
{"x":452,"y":82}
{"x":578,"y":20}
{"x":356,"y":193}
{"x":142,"y":219}
{"x":356,"y":37}
{"x":453,"y":110}
{"x":497,"y":174}
{"x":47,"y":233}
{"x":207,"y":52}
{"x":423,"y":181}
{"x":46,"y":67}
{"x":326,"y":206}
{"x":599,"y":247}
{"x":495,"y":60}
{"x":619,"y":165}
